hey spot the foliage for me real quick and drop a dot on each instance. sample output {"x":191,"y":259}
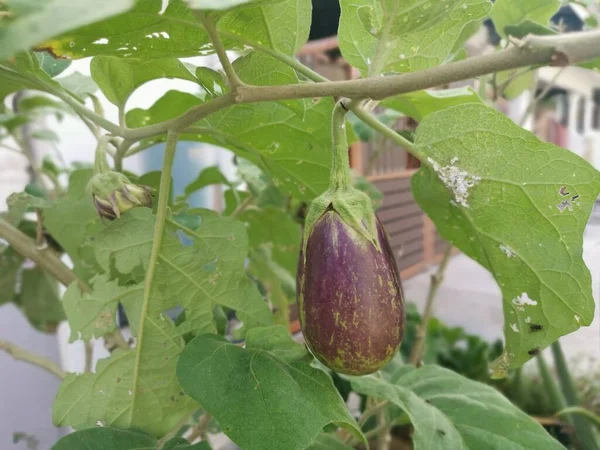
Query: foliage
{"x":208,"y":295}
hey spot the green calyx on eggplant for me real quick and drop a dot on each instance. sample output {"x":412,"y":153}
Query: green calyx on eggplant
{"x":348,"y":286}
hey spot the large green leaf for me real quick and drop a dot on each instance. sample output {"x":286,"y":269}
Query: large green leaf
{"x":118,"y":78}
{"x":393,"y":36}
{"x":513,"y":12}
{"x":51,"y":18}
{"x":450,"y":412}
{"x":137,"y":388}
{"x":517,"y":206}
{"x":209,"y":176}
{"x":246,"y":389}
{"x":142,"y":32}
{"x":115,"y":439}
{"x":420,"y":103}
{"x":295,"y":149}
{"x":280,"y":25}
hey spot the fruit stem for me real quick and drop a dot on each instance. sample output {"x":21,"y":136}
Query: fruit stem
{"x":340,"y":173}
{"x":100,"y":160}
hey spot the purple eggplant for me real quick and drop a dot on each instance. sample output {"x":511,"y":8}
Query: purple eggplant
{"x":350,"y":296}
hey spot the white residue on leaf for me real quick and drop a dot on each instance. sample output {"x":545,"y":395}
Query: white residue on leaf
{"x":524,"y":299}
{"x":129,"y":392}
{"x":100,"y":423}
{"x":454,"y":160}
{"x":102,"y":41}
{"x":527,"y":319}
{"x":458,"y":181}
{"x":577,"y":318}
{"x":507,"y":250}
{"x":514,"y":327}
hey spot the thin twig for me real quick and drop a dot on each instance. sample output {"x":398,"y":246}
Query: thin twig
{"x":532,"y":105}
{"x":211,"y":29}
{"x":199,"y":431}
{"x":242,"y":206}
{"x":436,"y":282}
{"x":37,"y":360}
{"x":40,"y":241}
{"x":89,"y":356}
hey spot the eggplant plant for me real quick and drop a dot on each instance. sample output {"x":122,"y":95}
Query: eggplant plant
{"x":225,"y":361}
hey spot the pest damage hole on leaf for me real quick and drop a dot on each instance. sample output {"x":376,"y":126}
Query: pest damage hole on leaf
{"x":565,"y":204}
{"x":533,"y":351}
{"x":535,"y":327}
{"x":507,"y":250}
{"x":563,"y":191}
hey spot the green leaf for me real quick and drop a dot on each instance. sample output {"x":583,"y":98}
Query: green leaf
{"x":118,"y":78}
{"x":78,"y":84}
{"x":260,"y":69}
{"x":280,"y":25}
{"x":513,"y":12}
{"x":421,"y":103}
{"x":404,"y":36}
{"x":278,"y":342}
{"x":276,"y":230}
{"x":222,"y":4}
{"x":517,"y":206}
{"x":115,"y":439}
{"x":72,"y":219}
{"x":295,"y":149}
{"x":23,"y":72}
{"x":244,"y":389}
{"x":208,"y":272}
{"x":51,"y":65}
{"x":51,"y":18}
{"x":209,"y":176}
{"x":450,"y":412}
{"x":10,"y":266}
{"x":526,"y":27}
{"x":211,"y":81}
{"x":39,"y":300}
{"x":94,"y":314}
{"x":21,"y":202}
{"x":106,"y":439}
{"x":143,"y":32}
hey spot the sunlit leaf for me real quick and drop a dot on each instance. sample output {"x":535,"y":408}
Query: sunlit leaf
{"x":517,"y":206}
{"x":513,"y":12}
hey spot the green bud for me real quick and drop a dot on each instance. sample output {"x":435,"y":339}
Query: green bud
{"x":113,"y":194}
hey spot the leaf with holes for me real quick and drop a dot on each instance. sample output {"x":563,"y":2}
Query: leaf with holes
{"x":146,"y":31}
{"x":421,"y":103}
{"x":137,"y":388}
{"x":379,"y":37}
{"x":295,"y":149}
{"x":295,"y":399}
{"x":513,"y":12}
{"x":517,"y":206}
{"x":449,"y":412}
{"x":92,"y":315}
{"x":118,"y":78}
{"x":51,"y":18}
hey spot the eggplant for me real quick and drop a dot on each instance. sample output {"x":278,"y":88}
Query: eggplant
{"x":349,"y":296}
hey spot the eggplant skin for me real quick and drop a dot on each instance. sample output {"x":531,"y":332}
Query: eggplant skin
{"x":350,"y":298}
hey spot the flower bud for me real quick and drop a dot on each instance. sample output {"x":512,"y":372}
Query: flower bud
{"x":113,"y":194}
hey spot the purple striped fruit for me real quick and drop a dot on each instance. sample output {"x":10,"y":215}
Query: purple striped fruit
{"x":350,"y":297}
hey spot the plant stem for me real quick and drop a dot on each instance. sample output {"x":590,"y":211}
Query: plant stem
{"x":89,"y":356}
{"x":384,"y":432}
{"x":199,"y":431}
{"x":557,"y":399}
{"x":593,"y":418}
{"x":45,"y":258}
{"x":242,"y":206}
{"x":436,"y":281}
{"x":211,"y":29}
{"x":173,"y":431}
{"x":37,"y":360}
{"x":583,"y":433}
{"x":161,"y":218}
{"x":339,"y":178}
